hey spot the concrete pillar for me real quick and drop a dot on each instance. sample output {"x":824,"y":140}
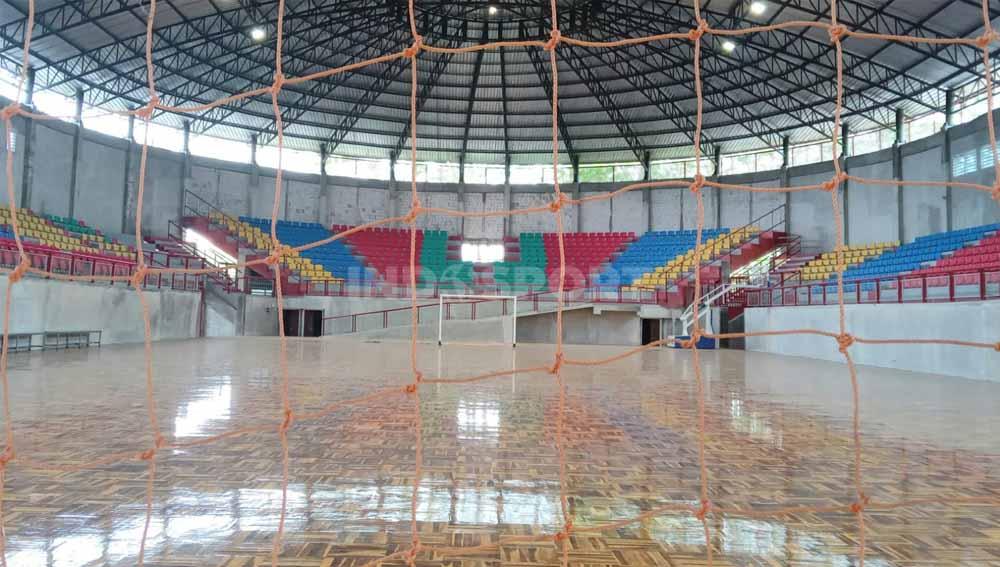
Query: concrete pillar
{"x":75,"y":158}
{"x":508,"y":229}
{"x":579,"y":209}
{"x":897,"y":169}
{"x":949,"y":121}
{"x":715,"y":190}
{"x":29,"y":137}
{"x":323,"y":207}
{"x":647,"y":193}
{"x":844,"y":139}
{"x":127,"y":183}
{"x":786,"y":162}
{"x":185,"y":168}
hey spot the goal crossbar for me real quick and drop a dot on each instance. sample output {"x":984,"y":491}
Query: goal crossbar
{"x":474,"y":298}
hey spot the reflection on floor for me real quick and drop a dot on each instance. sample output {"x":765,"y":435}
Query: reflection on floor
{"x":778,"y":434}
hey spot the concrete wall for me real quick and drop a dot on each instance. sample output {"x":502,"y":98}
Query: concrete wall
{"x":972,"y":321}
{"x":873,"y":212}
{"x":582,"y":326}
{"x":48,"y":305}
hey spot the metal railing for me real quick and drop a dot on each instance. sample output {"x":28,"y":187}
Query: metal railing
{"x":479,"y":308}
{"x":971,"y":285}
{"x":767,"y":222}
{"x":88,"y":265}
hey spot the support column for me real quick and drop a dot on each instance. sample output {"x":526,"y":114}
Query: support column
{"x":949,"y":121}
{"x":185,"y":168}
{"x":897,"y":170}
{"x":75,"y":159}
{"x":127,"y":183}
{"x":844,"y":139}
{"x":647,"y":193}
{"x":323,"y":208}
{"x":29,"y":137}
{"x":786,"y":162}
{"x":508,"y":221}
{"x":715,"y":190}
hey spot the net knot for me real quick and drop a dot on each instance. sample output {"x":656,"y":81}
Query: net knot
{"x":418,"y":376}
{"x":695,"y":33}
{"x":557,"y":365}
{"x":564,"y":533}
{"x":414,"y":550}
{"x":279,"y":82}
{"x":845,"y":341}
{"x":286,"y":423}
{"x":997,"y":347}
{"x":7,"y":456}
{"x":139,"y":276}
{"x":834,"y":182}
{"x":697,"y":184}
{"x":278,"y":254}
{"x":557,"y":204}
{"x":554,"y":38}
{"x":10,"y":111}
{"x":859,"y":506}
{"x":693,"y":341}
{"x":146,"y":112}
{"x":147,"y":455}
{"x":414,"y":50}
{"x":17,"y":273}
{"x":415,"y":212}
{"x":837,"y":33}
{"x":411,"y":388}
{"x":703,"y":510}
{"x":984,"y":41}
{"x":996,"y":191}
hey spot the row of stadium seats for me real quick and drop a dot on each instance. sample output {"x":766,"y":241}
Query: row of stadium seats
{"x":527,"y":273}
{"x":585,"y":253}
{"x":984,"y":255}
{"x":385,"y":250}
{"x":689,"y":260}
{"x":64,"y":234}
{"x":247,"y":233}
{"x":332,"y":261}
{"x":652,"y":250}
{"x":923,"y":251}
{"x":825,"y":265}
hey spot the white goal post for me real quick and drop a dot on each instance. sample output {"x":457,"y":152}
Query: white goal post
{"x":475,"y":302}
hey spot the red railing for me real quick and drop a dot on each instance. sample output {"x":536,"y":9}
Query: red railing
{"x":93,"y":265}
{"x":971,"y":285}
{"x":527,"y":303}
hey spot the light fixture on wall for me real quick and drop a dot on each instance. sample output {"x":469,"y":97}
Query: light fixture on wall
{"x":758,"y":7}
{"x":258,"y":34}
{"x":493,"y":10}
{"x":728,"y":46}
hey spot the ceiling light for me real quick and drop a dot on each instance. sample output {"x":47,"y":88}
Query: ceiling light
{"x":728,"y":46}
{"x":758,"y":7}
{"x":493,"y":10}
{"x":258,"y":34}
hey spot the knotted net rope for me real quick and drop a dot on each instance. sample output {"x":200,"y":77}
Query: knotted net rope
{"x":288,"y":417}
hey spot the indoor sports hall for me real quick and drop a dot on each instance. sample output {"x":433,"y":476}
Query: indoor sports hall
{"x":591,"y":283}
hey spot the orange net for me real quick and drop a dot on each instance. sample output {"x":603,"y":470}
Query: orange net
{"x":838,"y":33}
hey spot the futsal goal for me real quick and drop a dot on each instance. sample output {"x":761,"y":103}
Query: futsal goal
{"x":477,"y":319}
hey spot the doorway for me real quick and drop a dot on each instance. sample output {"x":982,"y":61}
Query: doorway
{"x":650,"y":330}
{"x":303,"y":322}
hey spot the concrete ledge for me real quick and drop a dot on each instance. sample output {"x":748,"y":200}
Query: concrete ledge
{"x":50,"y":305}
{"x":968,"y":321}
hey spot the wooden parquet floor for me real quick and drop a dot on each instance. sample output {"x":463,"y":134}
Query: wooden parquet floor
{"x":778,"y":435}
